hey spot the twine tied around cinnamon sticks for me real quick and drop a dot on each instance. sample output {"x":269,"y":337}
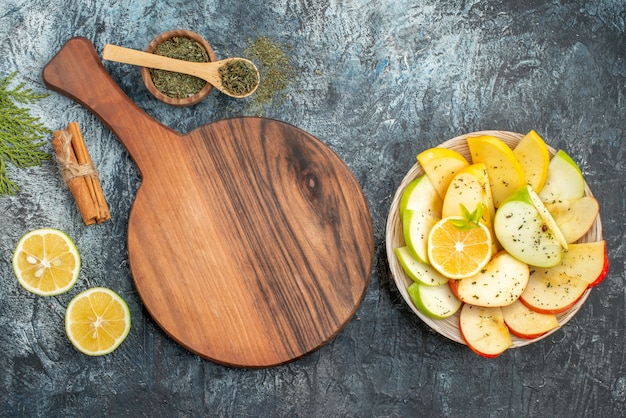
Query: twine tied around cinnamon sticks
{"x":80,"y":174}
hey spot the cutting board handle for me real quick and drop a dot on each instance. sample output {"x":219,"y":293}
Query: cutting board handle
{"x":76,"y":71}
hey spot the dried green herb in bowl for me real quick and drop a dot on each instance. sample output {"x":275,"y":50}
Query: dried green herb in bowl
{"x":175,"y":88}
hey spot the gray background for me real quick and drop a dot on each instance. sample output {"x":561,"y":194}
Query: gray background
{"x":378,"y":81}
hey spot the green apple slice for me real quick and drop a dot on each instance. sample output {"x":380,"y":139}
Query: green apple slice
{"x":565,"y":180}
{"x":523,"y":233}
{"x":421,"y":196}
{"x":437,"y":302}
{"x":416,"y":226}
{"x":547,"y":217}
{"x":418,"y":271}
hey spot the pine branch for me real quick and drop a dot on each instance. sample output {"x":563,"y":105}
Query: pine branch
{"x":20,"y":133}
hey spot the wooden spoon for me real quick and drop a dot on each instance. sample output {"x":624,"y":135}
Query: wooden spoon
{"x":208,"y":71}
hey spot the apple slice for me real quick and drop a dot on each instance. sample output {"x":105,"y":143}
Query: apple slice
{"x":506,"y":174}
{"x":469,"y":187}
{"x":418,"y":271}
{"x":499,"y":283}
{"x":533,"y":155}
{"x":416,"y":226}
{"x":522,"y":232}
{"x":526,"y":323}
{"x":574,"y":216}
{"x":436,"y":302}
{"x":565,"y":180}
{"x":421,"y":196}
{"x":546,"y":216}
{"x":484,"y":330}
{"x":551,"y":292}
{"x":585,"y":261}
{"x":440,"y":165}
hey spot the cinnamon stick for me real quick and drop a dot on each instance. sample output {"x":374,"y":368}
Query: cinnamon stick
{"x":80,"y":174}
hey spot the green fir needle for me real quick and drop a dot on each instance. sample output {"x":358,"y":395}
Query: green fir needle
{"x":20,"y":134}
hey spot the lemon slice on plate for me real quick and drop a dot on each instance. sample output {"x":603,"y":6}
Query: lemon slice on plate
{"x":46,"y":262}
{"x":97,"y":320}
{"x":459,"y":252}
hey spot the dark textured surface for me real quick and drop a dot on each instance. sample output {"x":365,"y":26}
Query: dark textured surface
{"x":378,"y":82}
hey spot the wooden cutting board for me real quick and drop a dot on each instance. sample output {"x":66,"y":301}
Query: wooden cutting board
{"x":250,"y":241}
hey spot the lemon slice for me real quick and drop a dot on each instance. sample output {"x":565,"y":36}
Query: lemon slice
{"x":97,"y":320}
{"x":46,"y":262}
{"x":456,"y":252}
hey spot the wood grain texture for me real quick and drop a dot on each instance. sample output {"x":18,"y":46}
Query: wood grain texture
{"x":250,"y":241}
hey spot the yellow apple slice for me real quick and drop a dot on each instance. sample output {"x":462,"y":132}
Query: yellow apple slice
{"x":441,"y":165}
{"x":523,"y":322}
{"x":574,"y":216}
{"x":484,"y":330}
{"x":534,"y":157}
{"x":505,"y":171}
{"x":469,"y":187}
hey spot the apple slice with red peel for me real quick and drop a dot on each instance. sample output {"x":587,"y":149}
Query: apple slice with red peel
{"x":586,"y":261}
{"x":523,"y":322}
{"x":552,"y":292}
{"x":499,"y":283}
{"x":437,"y":302}
{"x":484,"y":330}
{"x":418,"y":271}
{"x":574,"y":216}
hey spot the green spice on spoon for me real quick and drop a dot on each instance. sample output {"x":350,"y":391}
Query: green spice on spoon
{"x":239,"y":77}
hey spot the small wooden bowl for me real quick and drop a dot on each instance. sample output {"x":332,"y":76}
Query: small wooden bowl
{"x":147,"y":78}
{"x":449,"y":327}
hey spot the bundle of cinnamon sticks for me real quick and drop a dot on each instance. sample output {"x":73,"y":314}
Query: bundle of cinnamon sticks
{"x":80,"y":174}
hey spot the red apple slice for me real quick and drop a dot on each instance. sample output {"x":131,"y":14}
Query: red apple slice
{"x":484,"y":330}
{"x":586,"y":261}
{"x":574,"y":216}
{"x":552,"y":292}
{"x":499,"y":283}
{"x":523,"y":322}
